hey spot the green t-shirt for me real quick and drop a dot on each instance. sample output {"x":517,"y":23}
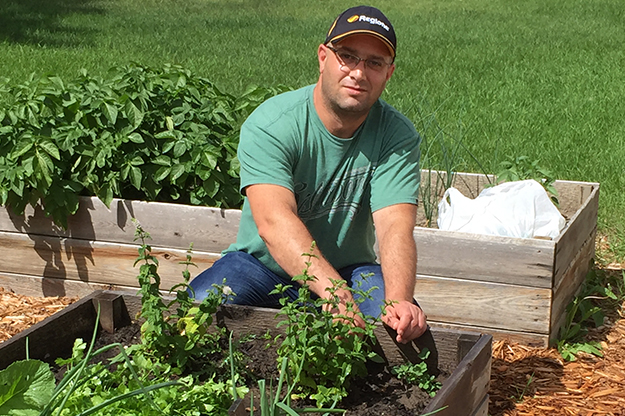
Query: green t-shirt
{"x":337,"y":183}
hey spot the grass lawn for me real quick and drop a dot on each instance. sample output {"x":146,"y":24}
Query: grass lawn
{"x":504,"y":78}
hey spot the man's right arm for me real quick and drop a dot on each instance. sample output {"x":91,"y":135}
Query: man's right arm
{"x":275,"y":213}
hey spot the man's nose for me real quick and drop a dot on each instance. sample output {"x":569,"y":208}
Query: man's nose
{"x":359,"y":70}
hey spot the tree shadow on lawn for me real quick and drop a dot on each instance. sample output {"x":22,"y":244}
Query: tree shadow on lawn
{"x":40,"y":22}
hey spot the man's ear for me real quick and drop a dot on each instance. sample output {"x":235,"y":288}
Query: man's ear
{"x":390,"y":71}
{"x":322,"y":56}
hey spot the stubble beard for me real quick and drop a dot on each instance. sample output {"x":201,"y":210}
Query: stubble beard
{"x":337,"y":105}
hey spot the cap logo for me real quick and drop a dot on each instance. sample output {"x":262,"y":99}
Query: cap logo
{"x":370,"y":20}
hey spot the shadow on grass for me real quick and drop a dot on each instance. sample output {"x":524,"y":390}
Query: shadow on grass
{"x":41,"y":22}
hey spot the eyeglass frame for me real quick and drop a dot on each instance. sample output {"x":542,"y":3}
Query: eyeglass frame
{"x":358,"y":59}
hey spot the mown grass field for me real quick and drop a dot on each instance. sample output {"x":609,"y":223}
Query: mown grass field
{"x":504,"y":78}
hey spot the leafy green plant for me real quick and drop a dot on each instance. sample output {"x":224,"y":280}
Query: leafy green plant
{"x":417,"y":374}
{"x":599,"y":291}
{"x":336,"y":349}
{"x":174,"y":334}
{"x":176,"y":337}
{"x":28,"y":387}
{"x":271,"y":403}
{"x":522,"y":168}
{"x":139,"y":133}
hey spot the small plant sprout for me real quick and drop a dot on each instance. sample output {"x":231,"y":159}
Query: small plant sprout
{"x":416,"y":374}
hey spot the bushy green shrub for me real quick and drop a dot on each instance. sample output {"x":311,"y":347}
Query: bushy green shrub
{"x":139,"y":133}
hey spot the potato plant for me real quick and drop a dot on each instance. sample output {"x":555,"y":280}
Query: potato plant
{"x":139,"y":133}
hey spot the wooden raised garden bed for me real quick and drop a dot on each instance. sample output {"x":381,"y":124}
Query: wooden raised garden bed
{"x":509,"y":287}
{"x":464,"y":355}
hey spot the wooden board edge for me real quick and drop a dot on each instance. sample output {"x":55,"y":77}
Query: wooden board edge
{"x":569,"y":286}
{"x":464,"y":391}
{"x":480,"y":257}
{"x":93,"y":261}
{"x":482,"y":409}
{"x":524,"y":338}
{"x":208,"y":228}
{"x":78,"y":320}
{"x":42,"y":286}
{"x":580,"y":228}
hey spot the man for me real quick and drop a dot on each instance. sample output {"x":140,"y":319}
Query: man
{"x":333,"y":164}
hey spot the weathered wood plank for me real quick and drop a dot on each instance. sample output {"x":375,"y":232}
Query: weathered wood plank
{"x":90,"y":261}
{"x":490,"y":305}
{"x":531,"y":339}
{"x":570,"y":284}
{"x":52,"y":337}
{"x":579,"y":228}
{"x":572,"y":195}
{"x":471,"y":382}
{"x":487,"y":258}
{"x":40,"y":286}
{"x":170,"y":225}
{"x":482,"y":409}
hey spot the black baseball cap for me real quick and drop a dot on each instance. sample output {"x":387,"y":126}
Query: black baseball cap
{"x":363,"y":20}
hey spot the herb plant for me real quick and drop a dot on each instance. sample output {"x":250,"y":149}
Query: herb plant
{"x":175,"y":338}
{"x":417,"y":374}
{"x":336,"y":350}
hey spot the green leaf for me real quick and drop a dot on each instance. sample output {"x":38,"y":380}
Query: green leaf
{"x":137,"y":161}
{"x":134,"y":115}
{"x":162,"y":173}
{"x":180,"y":148}
{"x":211,"y":187}
{"x":162,"y":160}
{"x":110,"y":112}
{"x":105,"y":193}
{"x":45,"y":166}
{"x":209,"y":159}
{"x":136,"y":138}
{"x":50,"y":148}
{"x":176,"y":171}
{"x":23,"y":146}
{"x":25,"y":388}
{"x":135,"y":177}
{"x":165,"y":135}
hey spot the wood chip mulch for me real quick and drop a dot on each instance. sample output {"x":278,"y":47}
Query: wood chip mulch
{"x":536,"y":381}
{"x":525,"y":381}
{"x":20,"y":312}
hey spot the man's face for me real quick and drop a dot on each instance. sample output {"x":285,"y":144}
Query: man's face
{"x":351,"y":90}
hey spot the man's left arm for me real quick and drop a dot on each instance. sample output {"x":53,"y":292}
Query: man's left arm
{"x":394,"y":227}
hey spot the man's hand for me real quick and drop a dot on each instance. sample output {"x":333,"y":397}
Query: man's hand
{"x":407,"y":319}
{"x":341,"y":309}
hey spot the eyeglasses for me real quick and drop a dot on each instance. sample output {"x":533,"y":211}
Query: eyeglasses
{"x":351,"y":61}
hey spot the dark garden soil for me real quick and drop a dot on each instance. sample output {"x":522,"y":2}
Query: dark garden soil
{"x":378,"y":394}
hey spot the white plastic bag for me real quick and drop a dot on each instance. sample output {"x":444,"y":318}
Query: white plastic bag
{"x":513,"y":209}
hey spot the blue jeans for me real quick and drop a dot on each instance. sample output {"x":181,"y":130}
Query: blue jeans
{"x":252,"y":281}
